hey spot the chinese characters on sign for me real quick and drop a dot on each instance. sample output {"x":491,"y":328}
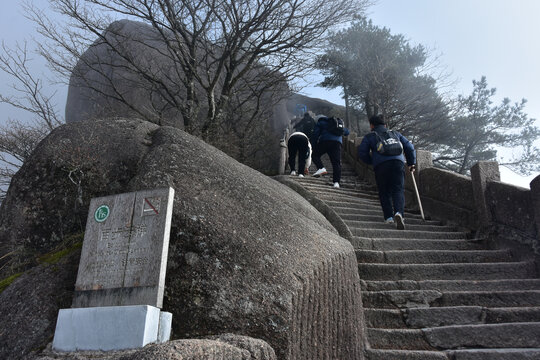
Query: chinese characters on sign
{"x":125,"y":246}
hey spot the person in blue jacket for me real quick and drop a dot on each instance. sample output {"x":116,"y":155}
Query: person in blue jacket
{"x":389,"y":171}
{"x":323,"y":141}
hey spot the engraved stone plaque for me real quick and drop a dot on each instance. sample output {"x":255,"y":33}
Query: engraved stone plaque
{"x":124,"y":254}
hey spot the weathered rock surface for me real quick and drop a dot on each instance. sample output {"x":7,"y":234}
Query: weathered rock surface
{"x":103,"y":82}
{"x":104,"y":85}
{"x":49,"y":196}
{"x":150,"y":86}
{"x":247,"y":255}
{"x":29,"y":306}
{"x":226,"y":346}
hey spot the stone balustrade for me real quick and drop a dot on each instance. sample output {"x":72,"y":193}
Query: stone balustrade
{"x":500,"y":213}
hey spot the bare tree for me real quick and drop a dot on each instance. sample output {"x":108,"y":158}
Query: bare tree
{"x":209,"y":46}
{"x":201,"y":64}
{"x":17,"y":138}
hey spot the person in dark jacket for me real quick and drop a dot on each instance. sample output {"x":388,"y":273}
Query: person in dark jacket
{"x":323,"y":141}
{"x":306,"y":125}
{"x":389,"y":171}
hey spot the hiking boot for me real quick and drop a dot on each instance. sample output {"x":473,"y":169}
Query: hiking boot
{"x":320,"y":172}
{"x":400,"y":222}
{"x":293,"y":173}
{"x":336,"y":185}
{"x":389,"y":221}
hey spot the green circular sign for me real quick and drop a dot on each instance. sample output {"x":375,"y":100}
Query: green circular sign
{"x":102,"y":213}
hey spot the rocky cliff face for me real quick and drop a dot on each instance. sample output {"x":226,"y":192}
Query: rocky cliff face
{"x":247,"y":255}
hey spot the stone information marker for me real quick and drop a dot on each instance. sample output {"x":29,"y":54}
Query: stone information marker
{"x":121,"y":277}
{"x":124,"y":254}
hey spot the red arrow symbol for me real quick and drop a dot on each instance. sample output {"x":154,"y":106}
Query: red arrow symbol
{"x":153,"y":208}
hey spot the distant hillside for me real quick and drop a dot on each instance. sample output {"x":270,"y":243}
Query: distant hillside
{"x":320,"y":106}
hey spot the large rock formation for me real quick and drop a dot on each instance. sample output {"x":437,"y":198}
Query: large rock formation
{"x":247,"y":255}
{"x":129,"y":72}
{"x":222,"y":347}
{"x":105,"y":84}
{"x":29,"y":306}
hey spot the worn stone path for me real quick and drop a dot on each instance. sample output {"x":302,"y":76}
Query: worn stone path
{"x":431,"y":292}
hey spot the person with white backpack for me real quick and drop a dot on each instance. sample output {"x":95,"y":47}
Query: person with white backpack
{"x":298,"y":144}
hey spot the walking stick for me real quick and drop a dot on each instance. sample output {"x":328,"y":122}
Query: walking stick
{"x":417,"y":196}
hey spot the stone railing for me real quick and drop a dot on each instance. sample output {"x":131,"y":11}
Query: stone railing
{"x":496,"y":212}
{"x":283,"y":151}
{"x":283,"y":156}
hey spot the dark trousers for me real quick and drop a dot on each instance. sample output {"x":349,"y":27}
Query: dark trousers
{"x":390,"y":178}
{"x":298,"y":144}
{"x":333,"y":148}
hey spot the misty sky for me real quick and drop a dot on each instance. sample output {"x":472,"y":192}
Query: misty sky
{"x":495,"y":38}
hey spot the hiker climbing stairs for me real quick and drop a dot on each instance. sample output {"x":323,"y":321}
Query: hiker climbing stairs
{"x":431,"y":291}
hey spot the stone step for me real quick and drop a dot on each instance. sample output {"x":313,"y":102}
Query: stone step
{"x":343,"y":210}
{"x":399,"y":299}
{"x":333,"y":195}
{"x":433,"y":256}
{"x":398,"y":339}
{"x":485,"y":271}
{"x":346,"y":171}
{"x":418,"y":318}
{"x":494,"y":354}
{"x":353,"y":182}
{"x":523,"y":298}
{"x":453,"y":285}
{"x":384,"y":318}
{"x":468,"y":315}
{"x":364,"y":203}
{"x":408,"y":234}
{"x":509,"y":335}
{"x":346,"y":186}
{"x":377,"y":354}
{"x":346,"y":189}
{"x":509,"y":315}
{"x":384,"y":244}
{"x":373,"y":225}
{"x":513,"y":335}
{"x":355,"y":216}
{"x":355,"y":203}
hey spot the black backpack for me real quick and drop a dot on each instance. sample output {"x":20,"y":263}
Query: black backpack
{"x":335,"y":126}
{"x":306,"y":126}
{"x":388,"y":143}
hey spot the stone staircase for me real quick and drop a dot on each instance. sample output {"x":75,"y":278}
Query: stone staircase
{"x":431,"y":291}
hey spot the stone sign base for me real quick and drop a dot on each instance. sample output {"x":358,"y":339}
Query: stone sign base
{"x":111,"y":328}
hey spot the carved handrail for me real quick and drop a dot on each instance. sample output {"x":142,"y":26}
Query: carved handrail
{"x":283,"y":151}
